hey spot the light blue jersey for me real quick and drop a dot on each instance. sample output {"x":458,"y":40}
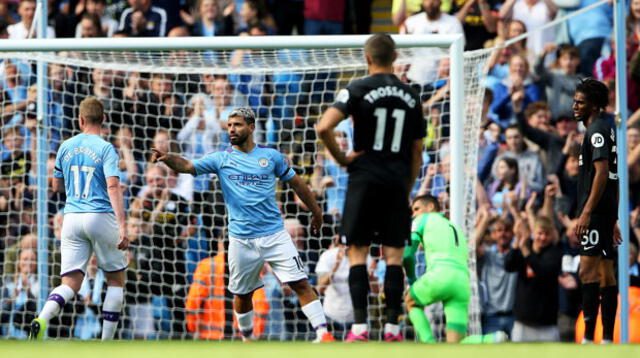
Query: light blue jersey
{"x":248,"y":183}
{"x":85,"y":162}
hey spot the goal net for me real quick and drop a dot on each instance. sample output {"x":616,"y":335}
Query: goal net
{"x":178,"y":101}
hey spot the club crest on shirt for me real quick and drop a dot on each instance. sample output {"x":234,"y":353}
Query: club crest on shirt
{"x":263,"y":162}
{"x":597,"y":140}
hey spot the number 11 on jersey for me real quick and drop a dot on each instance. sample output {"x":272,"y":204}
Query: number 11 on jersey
{"x":381,"y":122}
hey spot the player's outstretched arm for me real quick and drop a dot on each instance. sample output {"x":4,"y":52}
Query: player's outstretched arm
{"x":117,"y":202}
{"x":302,"y":190}
{"x":174,"y":162}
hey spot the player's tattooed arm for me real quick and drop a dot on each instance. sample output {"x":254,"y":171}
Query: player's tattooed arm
{"x":302,"y":190}
{"x":174,"y":162}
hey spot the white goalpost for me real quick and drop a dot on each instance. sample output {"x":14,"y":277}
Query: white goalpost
{"x":174,"y":92}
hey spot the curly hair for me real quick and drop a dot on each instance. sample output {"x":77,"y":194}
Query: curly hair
{"x":596,"y":92}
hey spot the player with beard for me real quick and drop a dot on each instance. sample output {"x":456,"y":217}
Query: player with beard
{"x":247,"y":174}
{"x":597,"y":208}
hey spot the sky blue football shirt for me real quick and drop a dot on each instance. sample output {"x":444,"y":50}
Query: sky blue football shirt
{"x":85,"y":162}
{"x":248,"y":183}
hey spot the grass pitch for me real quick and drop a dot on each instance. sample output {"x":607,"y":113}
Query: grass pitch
{"x":139,"y":349}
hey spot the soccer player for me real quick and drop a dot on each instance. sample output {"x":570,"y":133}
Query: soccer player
{"x":247,"y":174}
{"x":86,"y":168}
{"x":388,"y":132}
{"x":447,"y":276}
{"x":597,"y":208}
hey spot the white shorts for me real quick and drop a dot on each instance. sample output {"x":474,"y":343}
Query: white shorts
{"x":86,"y":233}
{"x":247,"y":258}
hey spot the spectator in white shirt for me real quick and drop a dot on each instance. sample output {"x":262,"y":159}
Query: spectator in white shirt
{"x":533,"y":13}
{"x":20,"y":30}
{"x":431,"y":21}
{"x":333,"y":282}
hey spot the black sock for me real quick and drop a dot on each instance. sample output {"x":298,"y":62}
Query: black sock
{"x":359,"y":288}
{"x":609,"y":308}
{"x":590,"y":303}
{"x":393,"y":288}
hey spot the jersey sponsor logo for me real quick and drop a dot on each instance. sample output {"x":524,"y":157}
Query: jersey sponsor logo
{"x":343,"y":96}
{"x":390,"y":91}
{"x":249,"y":179}
{"x":263,"y":162}
{"x":597,"y":140}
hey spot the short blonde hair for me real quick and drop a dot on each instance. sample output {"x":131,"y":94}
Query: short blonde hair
{"x":92,"y":110}
{"x":544,"y":223}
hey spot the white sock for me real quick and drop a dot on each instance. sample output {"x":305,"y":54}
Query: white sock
{"x":359,"y":328}
{"x":315,"y":314}
{"x":111,"y":311}
{"x":392,"y":328}
{"x":56,"y":301}
{"x":245,"y":323}
{"x":606,"y":341}
{"x":586,"y":341}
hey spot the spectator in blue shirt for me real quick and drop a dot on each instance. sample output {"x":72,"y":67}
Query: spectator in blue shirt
{"x":590,"y":31}
{"x":517,"y":91}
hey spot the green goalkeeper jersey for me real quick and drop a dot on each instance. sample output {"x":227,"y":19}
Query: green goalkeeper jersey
{"x":444,"y":244}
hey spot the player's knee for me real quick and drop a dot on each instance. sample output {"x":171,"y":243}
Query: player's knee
{"x":303,"y":288}
{"x":357,"y":254}
{"x":589,"y":270}
{"x":116,"y":279}
{"x":243,"y":303}
{"x":73,"y":280}
{"x":588,"y":275}
{"x":393,"y":255}
{"x":609,"y":279}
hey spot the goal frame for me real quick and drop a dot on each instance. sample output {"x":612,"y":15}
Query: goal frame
{"x":454,"y":43}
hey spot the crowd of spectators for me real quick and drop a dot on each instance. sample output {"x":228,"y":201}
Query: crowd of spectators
{"x":176,"y":288}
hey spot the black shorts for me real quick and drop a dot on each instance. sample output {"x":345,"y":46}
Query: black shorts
{"x":598,"y":241}
{"x":375,"y":213}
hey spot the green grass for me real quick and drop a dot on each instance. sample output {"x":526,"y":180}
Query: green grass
{"x":66,"y":349}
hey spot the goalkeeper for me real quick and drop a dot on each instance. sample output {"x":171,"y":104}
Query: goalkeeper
{"x":447,"y":276}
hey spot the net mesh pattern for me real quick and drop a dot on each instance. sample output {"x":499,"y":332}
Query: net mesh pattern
{"x":179,"y":101}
